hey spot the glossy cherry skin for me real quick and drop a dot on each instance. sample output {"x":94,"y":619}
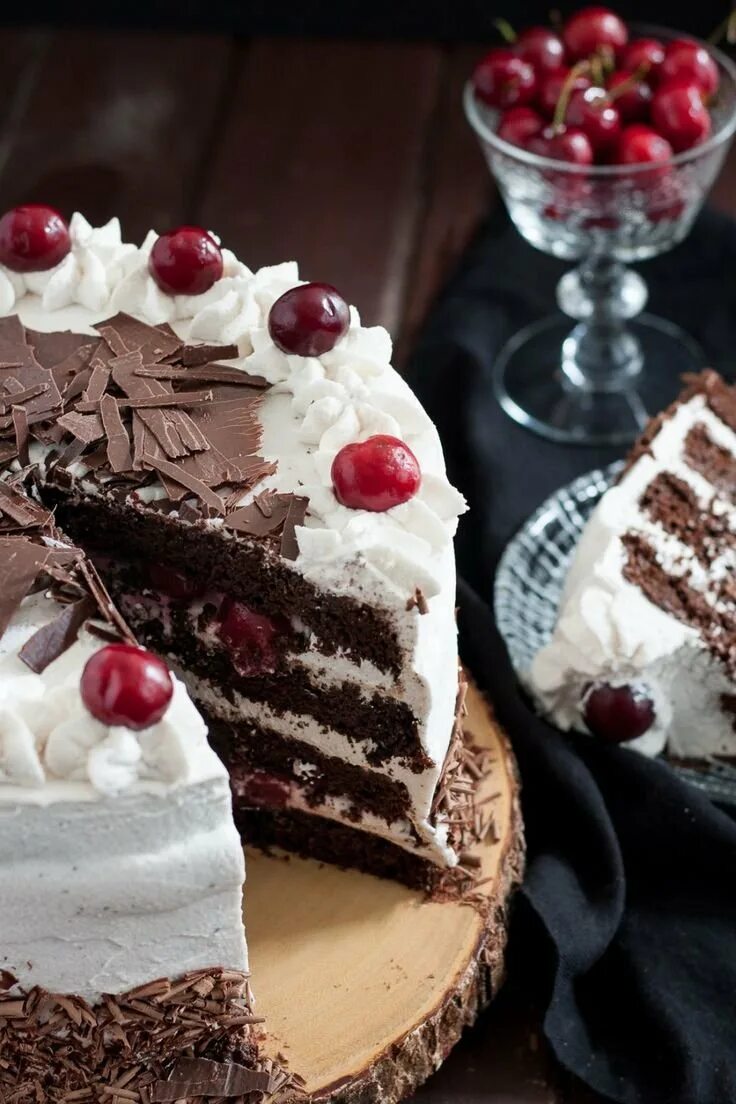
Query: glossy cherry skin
{"x":309,"y":320}
{"x":519,"y":124}
{"x":33,"y":238}
{"x":541,"y":47}
{"x":643,"y":52}
{"x":594,"y":30}
{"x":185,"y":261}
{"x":634,"y":102}
{"x":563,"y":144}
{"x":618,"y":714}
{"x":551,"y":85}
{"x":592,"y":112}
{"x":679,"y":114}
{"x":173,"y":583}
{"x":251,"y":637}
{"x":125,"y":685}
{"x":639,"y":143}
{"x":376,"y":474}
{"x":504,"y":79}
{"x":688,"y":60}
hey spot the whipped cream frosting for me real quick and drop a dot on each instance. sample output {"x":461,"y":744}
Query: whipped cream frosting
{"x":609,"y":631}
{"x":316,"y":404}
{"x":95,"y":265}
{"x":48,"y":736}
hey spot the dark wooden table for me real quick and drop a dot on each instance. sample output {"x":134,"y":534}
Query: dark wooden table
{"x":352,"y":157}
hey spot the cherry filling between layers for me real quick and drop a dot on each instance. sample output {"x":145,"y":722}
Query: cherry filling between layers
{"x":254,"y":656}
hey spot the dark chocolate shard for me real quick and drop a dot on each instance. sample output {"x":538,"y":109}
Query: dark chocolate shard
{"x":20,"y":563}
{"x":178,"y":474}
{"x":11,"y":329}
{"x":194,"y":355}
{"x":52,"y":640}
{"x":297,"y":512}
{"x":85,"y":427}
{"x":194,"y":1077}
{"x":22,"y":510}
{"x":118,"y":443}
{"x":125,"y":334}
{"x":54,"y":348}
{"x":207,"y":373}
{"x":20,"y":428}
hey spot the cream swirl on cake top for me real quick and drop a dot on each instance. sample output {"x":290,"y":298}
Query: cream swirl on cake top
{"x":96,"y":263}
{"x":47,"y":734}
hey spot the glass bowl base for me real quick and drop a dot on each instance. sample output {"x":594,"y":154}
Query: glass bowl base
{"x":533,"y":390}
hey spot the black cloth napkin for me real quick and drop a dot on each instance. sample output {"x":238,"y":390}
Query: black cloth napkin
{"x":625,"y":929}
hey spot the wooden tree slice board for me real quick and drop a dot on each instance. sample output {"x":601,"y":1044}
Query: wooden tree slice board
{"x":365,"y":985}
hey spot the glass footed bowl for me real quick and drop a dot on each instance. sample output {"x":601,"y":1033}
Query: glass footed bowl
{"x":590,"y":385}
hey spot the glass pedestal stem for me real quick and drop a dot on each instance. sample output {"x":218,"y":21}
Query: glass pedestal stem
{"x":601,"y":354}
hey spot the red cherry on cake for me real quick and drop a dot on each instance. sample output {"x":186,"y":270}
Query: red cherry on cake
{"x":688,"y":60}
{"x":309,"y":320}
{"x":504,"y":79}
{"x":592,"y":112}
{"x":125,"y":685}
{"x":541,"y":47}
{"x":375,"y":474}
{"x":33,"y":238}
{"x":618,"y":714}
{"x":251,"y":637}
{"x":172,"y":582}
{"x":551,"y":85}
{"x":679,"y":114}
{"x":594,"y":30}
{"x":632,"y":97}
{"x":185,"y":261}
{"x":643,"y":53}
{"x":519,"y":124}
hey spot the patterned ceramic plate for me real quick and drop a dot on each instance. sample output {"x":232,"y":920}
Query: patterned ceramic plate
{"x":529,"y":583}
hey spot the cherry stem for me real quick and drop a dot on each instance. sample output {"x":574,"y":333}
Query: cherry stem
{"x":631,"y":81}
{"x":596,"y":70}
{"x":504,"y":28}
{"x":726,"y":28}
{"x":579,"y":70}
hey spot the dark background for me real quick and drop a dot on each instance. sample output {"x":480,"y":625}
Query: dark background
{"x":450,"y":20}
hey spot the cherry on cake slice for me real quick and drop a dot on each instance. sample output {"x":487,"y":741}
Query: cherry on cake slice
{"x":644,"y":650}
{"x":123,"y":960}
{"x":267,"y":501}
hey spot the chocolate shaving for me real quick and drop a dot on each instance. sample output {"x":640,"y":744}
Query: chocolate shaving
{"x":20,"y":427}
{"x":194,"y":355}
{"x":118,"y":443}
{"x":52,"y":640}
{"x":297,"y":512}
{"x":87,"y":428}
{"x":417,"y":601}
{"x":23,"y":511}
{"x":20,"y":563}
{"x":193,"y":1077}
{"x":208,"y":373}
{"x":176,"y":398}
{"x":190,"y":482}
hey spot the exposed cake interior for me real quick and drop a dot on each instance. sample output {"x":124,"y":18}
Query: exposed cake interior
{"x":650,"y":600}
{"x":192,"y":456}
{"x":123,"y":960}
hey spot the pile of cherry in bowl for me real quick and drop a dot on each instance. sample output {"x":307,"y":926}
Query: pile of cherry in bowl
{"x":589,"y":94}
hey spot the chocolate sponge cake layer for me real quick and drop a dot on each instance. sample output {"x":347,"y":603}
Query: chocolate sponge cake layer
{"x":248,"y":570}
{"x":253,"y":751}
{"x":383,"y":727}
{"x":327,"y":841}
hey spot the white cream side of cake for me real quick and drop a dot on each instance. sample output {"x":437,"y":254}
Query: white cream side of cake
{"x":608,"y":631}
{"x":316,"y":405}
{"x":119,"y":846}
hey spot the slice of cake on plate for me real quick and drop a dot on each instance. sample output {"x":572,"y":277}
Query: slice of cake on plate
{"x":644,"y":650}
{"x":123,"y":961}
{"x":267,"y":501}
